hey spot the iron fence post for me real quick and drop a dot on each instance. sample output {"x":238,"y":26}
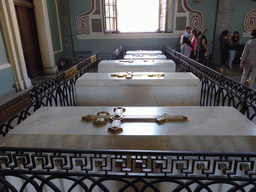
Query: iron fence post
{"x":244,"y":107}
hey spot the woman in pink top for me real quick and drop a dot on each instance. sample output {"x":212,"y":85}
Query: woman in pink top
{"x":194,"y":43}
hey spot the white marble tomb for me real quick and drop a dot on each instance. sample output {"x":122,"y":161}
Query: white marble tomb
{"x":213,"y":129}
{"x":107,"y":66}
{"x":144,"y":52}
{"x":145,"y":57}
{"x":172,"y":89}
{"x":207,"y":129}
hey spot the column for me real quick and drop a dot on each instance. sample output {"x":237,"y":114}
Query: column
{"x":45,"y":38}
{"x":13,"y":44}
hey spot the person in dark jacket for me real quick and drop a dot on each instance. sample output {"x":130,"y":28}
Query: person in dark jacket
{"x":224,"y":47}
{"x":185,"y":42}
{"x":202,"y":50}
{"x":233,"y":47}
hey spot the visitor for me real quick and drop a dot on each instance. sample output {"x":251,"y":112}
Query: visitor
{"x":202,"y":50}
{"x":224,"y":47}
{"x":194,"y":43}
{"x":185,"y":42}
{"x":248,"y":60}
{"x":233,"y":47}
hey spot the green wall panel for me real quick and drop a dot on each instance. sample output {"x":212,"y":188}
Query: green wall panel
{"x":59,"y":16}
{"x":3,"y":54}
{"x":53,"y":19}
{"x":206,"y":7}
{"x":241,"y":9}
{"x":109,"y":45}
{"x":6,"y":78}
{"x":6,"y":73}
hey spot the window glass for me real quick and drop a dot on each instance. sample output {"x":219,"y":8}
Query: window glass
{"x":135,"y":15}
{"x":138,"y":16}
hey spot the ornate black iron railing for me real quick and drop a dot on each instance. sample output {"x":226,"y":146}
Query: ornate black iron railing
{"x":121,"y":170}
{"x":58,"y":91}
{"x":217,"y":89}
{"x":118,"y":53}
{"x":116,"y":170}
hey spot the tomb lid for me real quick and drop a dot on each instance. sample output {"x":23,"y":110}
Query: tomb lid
{"x":139,"y":78}
{"x":207,"y":129}
{"x":136,"y":63}
{"x":138,"y":56}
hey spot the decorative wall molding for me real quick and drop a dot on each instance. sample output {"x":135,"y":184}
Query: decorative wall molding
{"x":82,"y":22}
{"x":180,"y":14}
{"x":197,"y":19}
{"x":5,"y":66}
{"x":250,"y":21}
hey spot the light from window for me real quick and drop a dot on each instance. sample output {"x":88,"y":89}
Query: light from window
{"x":138,"y":15}
{"x":135,"y":15}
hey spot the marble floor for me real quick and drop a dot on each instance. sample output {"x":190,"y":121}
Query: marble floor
{"x":235,"y":73}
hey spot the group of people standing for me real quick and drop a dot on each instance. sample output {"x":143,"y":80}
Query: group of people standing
{"x":229,"y":45}
{"x":196,"y":48}
{"x":194,"y":45}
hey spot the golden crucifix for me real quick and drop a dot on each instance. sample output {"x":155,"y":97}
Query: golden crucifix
{"x":129,"y":75}
{"x":102,"y":118}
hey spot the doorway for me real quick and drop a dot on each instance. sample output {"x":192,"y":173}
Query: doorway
{"x":29,"y":37}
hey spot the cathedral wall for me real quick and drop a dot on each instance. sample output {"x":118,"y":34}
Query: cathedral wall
{"x":92,"y":41}
{"x":6,"y":74}
{"x":89,"y":35}
{"x":59,"y":19}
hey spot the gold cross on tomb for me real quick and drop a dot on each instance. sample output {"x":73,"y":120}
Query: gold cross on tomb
{"x":129,"y":75}
{"x":102,"y":118}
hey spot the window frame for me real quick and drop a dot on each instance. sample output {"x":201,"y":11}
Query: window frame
{"x":161,"y":2}
{"x":115,"y":30}
{"x":109,"y":17}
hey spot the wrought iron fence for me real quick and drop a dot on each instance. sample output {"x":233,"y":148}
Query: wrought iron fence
{"x":116,"y":170}
{"x":217,"y":89}
{"x":118,"y":53}
{"x":123,"y":170}
{"x":58,"y":91}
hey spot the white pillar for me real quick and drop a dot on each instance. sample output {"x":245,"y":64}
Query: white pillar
{"x":45,"y":38}
{"x":13,"y":43}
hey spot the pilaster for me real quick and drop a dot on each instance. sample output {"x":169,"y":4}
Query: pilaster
{"x":13,"y":43}
{"x":45,"y":38}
